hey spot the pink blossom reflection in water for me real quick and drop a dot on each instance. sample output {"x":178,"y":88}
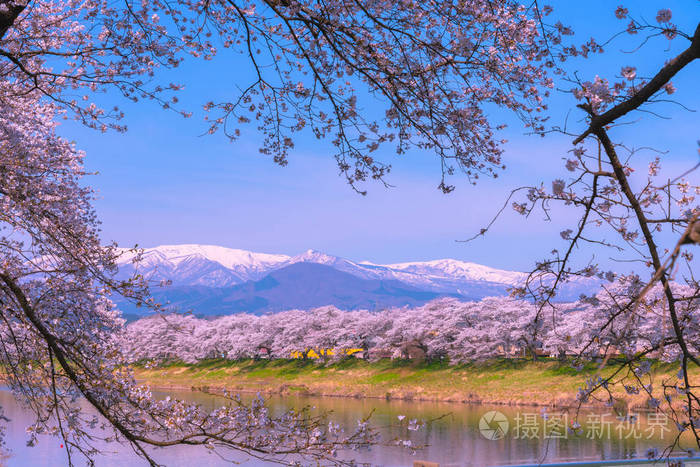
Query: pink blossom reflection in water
{"x":453,"y":440}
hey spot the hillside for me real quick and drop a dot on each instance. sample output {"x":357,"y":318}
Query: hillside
{"x":214,"y":280}
{"x":300,"y":285}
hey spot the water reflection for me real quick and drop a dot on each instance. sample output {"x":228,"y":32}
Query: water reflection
{"x":453,"y":437}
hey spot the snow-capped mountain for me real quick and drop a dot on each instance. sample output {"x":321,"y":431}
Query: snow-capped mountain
{"x":444,"y":275}
{"x":213,"y":279}
{"x":317,"y":257}
{"x":459,"y":270}
{"x":206,"y":265}
{"x":302,"y":285}
{"x":216,"y":266}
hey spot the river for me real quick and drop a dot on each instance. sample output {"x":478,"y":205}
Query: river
{"x":464,"y":435}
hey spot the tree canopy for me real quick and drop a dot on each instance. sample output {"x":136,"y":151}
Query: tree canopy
{"x":432,"y":71}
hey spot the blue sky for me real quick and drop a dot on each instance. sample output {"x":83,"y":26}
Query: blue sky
{"x":164,"y":183}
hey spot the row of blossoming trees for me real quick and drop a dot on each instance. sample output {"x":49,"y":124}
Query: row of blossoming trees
{"x":443,"y":329}
{"x":435,"y":75}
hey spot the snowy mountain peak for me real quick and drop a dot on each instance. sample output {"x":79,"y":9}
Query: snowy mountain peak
{"x":247,"y":265}
{"x":229,"y":258}
{"x":315,"y":256}
{"x":215,"y":271}
{"x":459,"y":270}
{"x":235,"y":266}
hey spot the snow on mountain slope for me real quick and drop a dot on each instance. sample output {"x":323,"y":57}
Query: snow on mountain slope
{"x":427,"y":273}
{"x":185,"y":261}
{"x":314,"y":256}
{"x":228,"y":257}
{"x":208,"y":265}
{"x":454,"y":269}
{"x":216,"y":266}
{"x":341,"y":264}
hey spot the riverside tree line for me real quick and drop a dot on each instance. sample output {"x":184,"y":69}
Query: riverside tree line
{"x":438,"y":77}
{"x":444,"y":329}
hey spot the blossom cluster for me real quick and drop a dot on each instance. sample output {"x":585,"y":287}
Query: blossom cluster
{"x":445,"y":329}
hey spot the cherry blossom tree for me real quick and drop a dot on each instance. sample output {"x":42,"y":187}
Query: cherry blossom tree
{"x":445,"y":329}
{"x":431,"y":69}
{"x":57,"y":340}
{"x":433,"y":66}
{"x":629,"y":208}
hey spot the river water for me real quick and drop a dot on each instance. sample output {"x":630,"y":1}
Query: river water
{"x":463,"y":435}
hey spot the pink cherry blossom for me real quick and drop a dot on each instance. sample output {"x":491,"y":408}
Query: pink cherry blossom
{"x":663,"y":16}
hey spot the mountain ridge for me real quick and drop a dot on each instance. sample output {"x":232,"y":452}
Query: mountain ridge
{"x":302,"y":285}
{"x":211,"y":279}
{"x":248,"y":265}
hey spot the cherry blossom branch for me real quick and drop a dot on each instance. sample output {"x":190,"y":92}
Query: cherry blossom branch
{"x":647,"y":91}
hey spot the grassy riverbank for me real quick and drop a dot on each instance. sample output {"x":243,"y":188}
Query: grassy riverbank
{"x":511,"y":382}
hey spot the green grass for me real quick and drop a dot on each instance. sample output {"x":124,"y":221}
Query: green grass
{"x":382,"y":378}
{"x":509,"y":381}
